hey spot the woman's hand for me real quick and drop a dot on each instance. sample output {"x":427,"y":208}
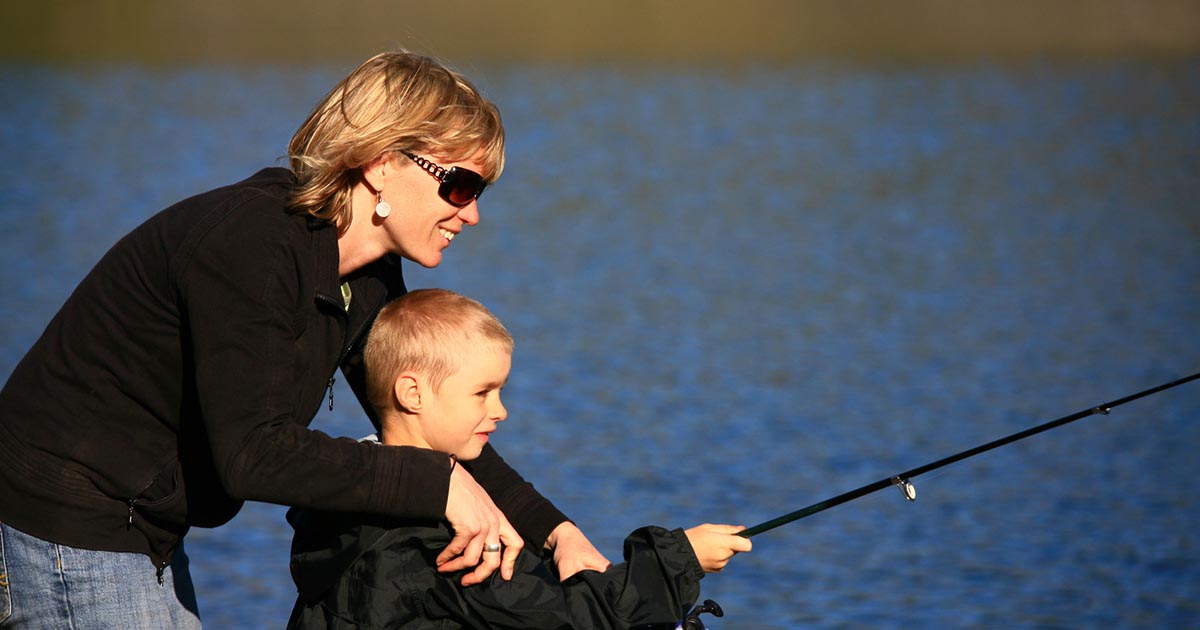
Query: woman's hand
{"x":716,"y":544}
{"x":573,"y":552}
{"x":477,"y":522}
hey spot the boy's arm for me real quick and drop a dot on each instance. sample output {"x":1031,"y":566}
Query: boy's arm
{"x":389,"y":580}
{"x":655,"y":586}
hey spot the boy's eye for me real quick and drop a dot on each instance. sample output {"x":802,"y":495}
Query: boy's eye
{"x":486,"y":392}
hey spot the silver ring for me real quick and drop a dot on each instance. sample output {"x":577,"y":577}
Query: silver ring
{"x":491,"y":547}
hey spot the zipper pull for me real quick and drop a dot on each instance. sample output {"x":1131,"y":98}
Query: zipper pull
{"x":160,"y":573}
{"x":331,"y":381}
{"x":129,"y":523}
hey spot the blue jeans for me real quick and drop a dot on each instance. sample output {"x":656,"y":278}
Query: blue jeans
{"x":45,"y":585}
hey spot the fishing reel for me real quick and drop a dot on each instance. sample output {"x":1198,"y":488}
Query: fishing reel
{"x":693,"y":622}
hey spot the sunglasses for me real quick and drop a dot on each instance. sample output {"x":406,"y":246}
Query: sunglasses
{"x":460,"y":186}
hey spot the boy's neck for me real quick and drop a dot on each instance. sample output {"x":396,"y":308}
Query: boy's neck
{"x":396,"y":432}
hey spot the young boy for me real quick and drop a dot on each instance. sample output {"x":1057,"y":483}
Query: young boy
{"x":436,"y":362}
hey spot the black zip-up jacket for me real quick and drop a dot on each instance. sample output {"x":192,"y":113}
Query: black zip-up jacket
{"x":360,"y":573}
{"x":179,"y":378}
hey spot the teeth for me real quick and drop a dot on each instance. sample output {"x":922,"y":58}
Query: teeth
{"x":446,"y":233}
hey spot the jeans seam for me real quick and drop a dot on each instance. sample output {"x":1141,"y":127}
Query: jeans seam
{"x":62,"y":578}
{"x":5,"y":591}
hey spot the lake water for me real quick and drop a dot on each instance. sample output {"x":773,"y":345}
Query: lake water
{"x":739,"y":291}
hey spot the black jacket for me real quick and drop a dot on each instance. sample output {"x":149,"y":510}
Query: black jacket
{"x":368,"y":573}
{"x":179,"y":378}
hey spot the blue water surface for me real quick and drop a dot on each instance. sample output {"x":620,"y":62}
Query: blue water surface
{"x":740,"y":291}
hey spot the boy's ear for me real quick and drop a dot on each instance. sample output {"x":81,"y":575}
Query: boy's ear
{"x":407,"y":390}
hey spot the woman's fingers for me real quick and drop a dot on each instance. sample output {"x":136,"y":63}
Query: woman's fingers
{"x":513,"y":543}
{"x":478,"y":525}
{"x":487,"y":564}
{"x":503,"y":557}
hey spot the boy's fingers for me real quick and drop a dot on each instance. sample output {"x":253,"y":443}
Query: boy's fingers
{"x":739,"y":544}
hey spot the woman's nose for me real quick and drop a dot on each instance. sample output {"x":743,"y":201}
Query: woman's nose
{"x":469,"y":213}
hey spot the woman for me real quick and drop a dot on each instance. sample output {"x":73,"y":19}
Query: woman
{"x":179,"y":378}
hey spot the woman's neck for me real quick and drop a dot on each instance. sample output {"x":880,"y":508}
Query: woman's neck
{"x":358,"y":246}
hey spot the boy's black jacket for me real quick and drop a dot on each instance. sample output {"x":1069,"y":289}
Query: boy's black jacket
{"x":362,"y":572}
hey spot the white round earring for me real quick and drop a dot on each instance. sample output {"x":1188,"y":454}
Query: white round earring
{"x":382,"y":208}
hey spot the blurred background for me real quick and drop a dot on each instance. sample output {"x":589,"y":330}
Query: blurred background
{"x":637,"y":31}
{"x":754,"y":255}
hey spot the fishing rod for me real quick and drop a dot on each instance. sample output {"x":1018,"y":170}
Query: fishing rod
{"x":903,"y":480}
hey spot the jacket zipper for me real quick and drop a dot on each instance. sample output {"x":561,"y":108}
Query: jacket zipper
{"x":162,"y":565}
{"x":345,"y":351}
{"x":133,"y":502}
{"x":332,"y":377}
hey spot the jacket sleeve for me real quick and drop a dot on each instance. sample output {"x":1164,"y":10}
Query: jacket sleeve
{"x":393,"y":583}
{"x":241,"y":290}
{"x":655,"y":586}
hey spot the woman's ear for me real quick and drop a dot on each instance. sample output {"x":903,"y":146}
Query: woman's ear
{"x":407,"y":390}
{"x":376,"y":171}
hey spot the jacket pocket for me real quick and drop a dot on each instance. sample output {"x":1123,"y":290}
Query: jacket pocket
{"x":163,"y":503}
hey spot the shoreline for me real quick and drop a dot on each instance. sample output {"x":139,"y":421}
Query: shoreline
{"x":620,"y":31}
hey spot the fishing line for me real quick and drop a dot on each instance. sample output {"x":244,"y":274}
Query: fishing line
{"x":903,"y":481}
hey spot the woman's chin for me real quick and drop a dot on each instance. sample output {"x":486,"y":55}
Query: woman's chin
{"x":428,"y":262}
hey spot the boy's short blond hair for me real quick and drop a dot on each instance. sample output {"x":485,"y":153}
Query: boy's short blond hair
{"x":427,"y":331}
{"x":394,"y":101}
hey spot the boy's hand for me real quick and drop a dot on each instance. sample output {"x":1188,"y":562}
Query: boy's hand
{"x":716,"y":544}
{"x":573,"y":552}
{"x":477,"y":522}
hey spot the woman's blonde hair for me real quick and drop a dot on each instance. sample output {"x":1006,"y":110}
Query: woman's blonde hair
{"x":427,"y":331}
{"x":394,"y":101}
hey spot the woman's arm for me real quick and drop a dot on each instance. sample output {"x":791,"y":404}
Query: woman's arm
{"x":258,"y":357}
{"x":530,"y":513}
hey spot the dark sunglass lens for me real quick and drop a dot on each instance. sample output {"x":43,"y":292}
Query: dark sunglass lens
{"x":462,"y":186}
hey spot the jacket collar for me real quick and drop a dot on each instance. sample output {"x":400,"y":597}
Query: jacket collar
{"x":325,"y":260}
